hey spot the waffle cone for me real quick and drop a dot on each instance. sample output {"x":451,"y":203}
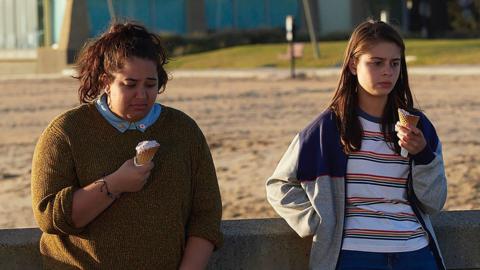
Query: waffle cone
{"x":407,"y":119}
{"x":146,"y":155}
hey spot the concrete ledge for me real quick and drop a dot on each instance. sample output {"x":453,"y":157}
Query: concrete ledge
{"x":10,"y":68}
{"x":261,"y":244}
{"x":18,"y":54}
{"x":19,"y":249}
{"x":271,"y":244}
{"x":458,"y":234}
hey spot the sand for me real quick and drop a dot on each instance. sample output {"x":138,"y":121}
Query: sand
{"x":248,"y":124}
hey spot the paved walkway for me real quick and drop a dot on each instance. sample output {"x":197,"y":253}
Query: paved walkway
{"x":262,"y":73}
{"x":271,"y":73}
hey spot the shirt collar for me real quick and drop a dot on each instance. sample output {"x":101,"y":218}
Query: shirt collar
{"x":123,"y":125}
{"x":367,"y":116}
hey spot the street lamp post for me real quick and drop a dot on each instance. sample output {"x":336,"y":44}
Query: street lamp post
{"x":289,"y":27}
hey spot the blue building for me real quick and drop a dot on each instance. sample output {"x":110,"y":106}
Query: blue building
{"x":53,"y":31}
{"x":33,"y":23}
{"x":176,"y":16}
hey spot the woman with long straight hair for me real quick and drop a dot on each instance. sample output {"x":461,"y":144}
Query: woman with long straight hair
{"x":360,"y":181}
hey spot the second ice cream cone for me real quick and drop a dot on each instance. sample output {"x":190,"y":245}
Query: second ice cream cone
{"x":146,"y":150}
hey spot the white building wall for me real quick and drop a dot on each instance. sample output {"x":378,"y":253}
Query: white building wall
{"x":18,"y":24}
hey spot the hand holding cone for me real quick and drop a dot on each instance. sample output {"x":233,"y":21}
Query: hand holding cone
{"x":146,"y":150}
{"x":407,"y":119}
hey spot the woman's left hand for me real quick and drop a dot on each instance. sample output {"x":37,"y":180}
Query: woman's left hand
{"x":411,"y":138}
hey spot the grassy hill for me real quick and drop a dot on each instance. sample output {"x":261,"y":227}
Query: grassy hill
{"x":425,"y":52}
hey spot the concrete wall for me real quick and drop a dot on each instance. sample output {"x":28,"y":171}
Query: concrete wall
{"x":271,"y":244}
{"x":18,"y":61}
{"x":74,"y":32}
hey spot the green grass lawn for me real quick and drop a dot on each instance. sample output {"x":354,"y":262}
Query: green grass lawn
{"x":427,"y":52}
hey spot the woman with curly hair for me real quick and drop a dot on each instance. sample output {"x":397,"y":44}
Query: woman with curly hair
{"x":96,"y":207}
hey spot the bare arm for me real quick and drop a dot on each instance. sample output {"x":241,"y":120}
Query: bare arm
{"x":197,"y":253}
{"x":91,"y":200}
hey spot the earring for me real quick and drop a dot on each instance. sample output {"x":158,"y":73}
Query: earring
{"x":108,"y":102}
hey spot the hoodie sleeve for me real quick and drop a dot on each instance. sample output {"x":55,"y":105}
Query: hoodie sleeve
{"x":287,"y":196}
{"x":428,"y":172}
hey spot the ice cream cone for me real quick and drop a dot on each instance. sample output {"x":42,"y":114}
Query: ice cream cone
{"x":146,"y":150}
{"x":407,"y":119}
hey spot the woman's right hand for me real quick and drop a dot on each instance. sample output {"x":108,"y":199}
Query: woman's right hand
{"x":129,"y":178}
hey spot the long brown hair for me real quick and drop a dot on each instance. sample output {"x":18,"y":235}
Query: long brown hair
{"x":345,"y":100}
{"x":105,"y":55}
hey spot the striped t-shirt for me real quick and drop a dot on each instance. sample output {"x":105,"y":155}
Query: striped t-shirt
{"x":378,"y":216}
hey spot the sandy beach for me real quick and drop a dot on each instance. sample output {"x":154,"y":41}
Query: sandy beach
{"x":248,"y":124}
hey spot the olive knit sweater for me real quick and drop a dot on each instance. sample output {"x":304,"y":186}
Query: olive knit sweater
{"x":141,"y":230}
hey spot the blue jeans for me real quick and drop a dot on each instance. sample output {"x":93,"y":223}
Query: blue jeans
{"x":421,"y":259}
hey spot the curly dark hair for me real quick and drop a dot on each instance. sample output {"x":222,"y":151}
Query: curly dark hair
{"x":105,"y":55}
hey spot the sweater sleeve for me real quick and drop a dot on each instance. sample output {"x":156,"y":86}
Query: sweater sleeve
{"x":53,"y":183}
{"x":287,"y":196}
{"x":206,"y":214}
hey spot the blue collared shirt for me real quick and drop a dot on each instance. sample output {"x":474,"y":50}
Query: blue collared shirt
{"x":123,"y":125}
